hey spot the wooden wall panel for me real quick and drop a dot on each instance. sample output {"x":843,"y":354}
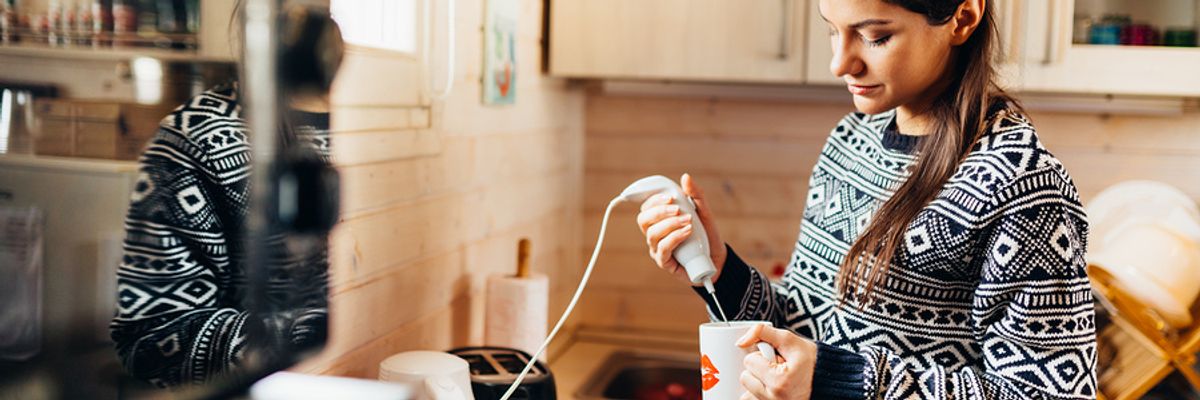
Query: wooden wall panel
{"x":436,"y":197}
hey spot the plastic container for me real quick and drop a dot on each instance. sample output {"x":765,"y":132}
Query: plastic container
{"x":20,"y":283}
{"x":1180,"y":37}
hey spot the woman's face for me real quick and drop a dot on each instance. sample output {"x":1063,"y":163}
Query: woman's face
{"x":889,"y":57}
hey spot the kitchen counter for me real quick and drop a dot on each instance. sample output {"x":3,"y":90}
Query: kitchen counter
{"x":590,"y":347}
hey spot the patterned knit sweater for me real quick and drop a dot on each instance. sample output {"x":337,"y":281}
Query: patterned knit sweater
{"x":180,"y":286}
{"x":987,"y":298}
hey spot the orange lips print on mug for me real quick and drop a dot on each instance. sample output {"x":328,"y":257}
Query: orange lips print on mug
{"x":708,"y":373}
{"x":721,"y":358}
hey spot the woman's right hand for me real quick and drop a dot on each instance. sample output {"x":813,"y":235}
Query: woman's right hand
{"x":665,"y":228}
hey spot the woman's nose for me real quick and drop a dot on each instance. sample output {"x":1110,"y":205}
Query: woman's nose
{"x":845,"y":60}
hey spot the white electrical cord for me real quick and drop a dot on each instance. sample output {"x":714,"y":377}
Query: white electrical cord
{"x":442,"y":93}
{"x":587,"y":273}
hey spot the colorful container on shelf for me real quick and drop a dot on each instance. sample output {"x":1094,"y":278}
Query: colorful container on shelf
{"x":1119,"y":29}
{"x":1105,"y":34}
{"x":1179,"y":37}
{"x":1139,"y":35}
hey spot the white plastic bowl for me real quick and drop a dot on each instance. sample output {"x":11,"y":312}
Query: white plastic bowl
{"x":1155,"y":265}
{"x":1140,"y":202}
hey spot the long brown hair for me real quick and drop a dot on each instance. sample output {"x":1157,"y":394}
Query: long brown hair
{"x":960,"y":114}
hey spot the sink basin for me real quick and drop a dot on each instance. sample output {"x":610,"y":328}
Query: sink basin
{"x":630,"y":375}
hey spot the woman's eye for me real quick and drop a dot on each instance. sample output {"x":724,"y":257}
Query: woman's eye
{"x":877,"y":42}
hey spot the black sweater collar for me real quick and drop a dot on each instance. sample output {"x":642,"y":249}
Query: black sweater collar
{"x":897,"y":141}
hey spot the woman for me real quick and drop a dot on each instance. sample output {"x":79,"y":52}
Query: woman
{"x":941,"y":253}
{"x":182,"y":312}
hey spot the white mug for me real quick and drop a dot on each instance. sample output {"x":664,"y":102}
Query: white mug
{"x":721,"y":360}
{"x":431,"y":375}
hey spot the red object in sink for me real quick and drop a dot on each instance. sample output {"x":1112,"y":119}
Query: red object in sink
{"x":668,"y":391}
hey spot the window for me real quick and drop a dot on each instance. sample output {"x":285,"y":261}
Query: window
{"x":380,"y":24}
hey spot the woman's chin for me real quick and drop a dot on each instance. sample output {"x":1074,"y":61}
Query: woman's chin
{"x":870,"y":106}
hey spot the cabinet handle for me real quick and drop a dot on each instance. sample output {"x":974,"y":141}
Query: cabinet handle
{"x":785,"y":30}
{"x":1006,"y":16}
{"x":1054,"y":33}
{"x":1016,"y":30}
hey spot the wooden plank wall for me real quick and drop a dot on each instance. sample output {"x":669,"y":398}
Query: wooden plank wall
{"x":754,"y":157}
{"x":428,"y":214}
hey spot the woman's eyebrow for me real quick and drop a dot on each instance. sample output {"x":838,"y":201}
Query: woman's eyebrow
{"x":869,"y":22}
{"x":857,"y":25}
{"x":860,"y":24}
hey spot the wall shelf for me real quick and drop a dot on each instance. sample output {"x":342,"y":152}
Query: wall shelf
{"x":108,"y":54}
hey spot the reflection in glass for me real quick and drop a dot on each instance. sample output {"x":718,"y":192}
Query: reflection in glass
{"x":152,"y":253}
{"x":182,"y":312}
{"x":192,"y":307}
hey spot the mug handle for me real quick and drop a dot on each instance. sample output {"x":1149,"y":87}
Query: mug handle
{"x":443,"y":388}
{"x":767,"y":351}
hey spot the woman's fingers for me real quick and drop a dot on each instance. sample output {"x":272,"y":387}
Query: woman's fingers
{"x":693,"y":190}
{"x":752,"y":336}
{"x":650,"y":216}
{"x":659,"y":231}
{"x":704,"y":211}
{"x":753,"y":385}
{"x":656,"y":200}
{"x":664,"y":248}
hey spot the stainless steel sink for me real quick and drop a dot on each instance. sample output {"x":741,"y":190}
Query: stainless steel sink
{"x":637,"y":376}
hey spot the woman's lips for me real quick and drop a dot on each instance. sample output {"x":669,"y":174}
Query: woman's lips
{"x":863,"y":90}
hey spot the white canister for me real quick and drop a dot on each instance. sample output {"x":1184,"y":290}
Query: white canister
{"x":433,"y":375}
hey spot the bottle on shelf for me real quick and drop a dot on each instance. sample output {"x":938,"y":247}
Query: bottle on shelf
{"x":193,"y":16}
{"x":67,"y":24}
{"x":84,"y":34}
{"x":125,"y":22}
{"x":54,"y":22}
{"x":173,"y":21}
{"x":8,"y":21}
{"x":102,"y":22}
{"x":147,"y":21}
{"x":167,"y":21}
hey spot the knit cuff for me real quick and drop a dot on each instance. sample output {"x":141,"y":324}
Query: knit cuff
{"x":839,"y":374}
{"x":731,"y":286}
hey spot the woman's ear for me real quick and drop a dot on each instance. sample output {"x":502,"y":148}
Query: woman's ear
{"x":968,"y":17}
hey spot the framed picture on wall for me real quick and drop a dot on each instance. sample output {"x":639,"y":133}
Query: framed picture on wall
{"x":500,"y":54}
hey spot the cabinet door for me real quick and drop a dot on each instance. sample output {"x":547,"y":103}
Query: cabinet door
{"x":1054,"y":63}
{"x":819,"y":48}
{"x":704,"y":40}
{"x":820,"y":51}
{"x":217,"y":33}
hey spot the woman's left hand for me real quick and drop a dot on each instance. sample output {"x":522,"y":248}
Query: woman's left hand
{"x":789,"y":376}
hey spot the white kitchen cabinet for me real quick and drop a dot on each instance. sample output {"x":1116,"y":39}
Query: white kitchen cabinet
{"x":1052,"y":62}
{"x":818,"y":48}
{"x":694,"y":40}
{"x":787,"y":42}
{"x":820,"y":52}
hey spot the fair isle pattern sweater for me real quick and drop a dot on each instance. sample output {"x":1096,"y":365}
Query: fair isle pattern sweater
{"x":988,"y":297}
{"x":181,"y":283}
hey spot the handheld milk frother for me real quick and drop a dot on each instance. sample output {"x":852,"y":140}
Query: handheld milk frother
{"x":692,"y":254}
